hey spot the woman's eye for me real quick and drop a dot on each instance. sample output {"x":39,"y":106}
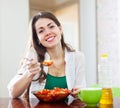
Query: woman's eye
{"x":40,"y":31}
{"x":52,"y":26}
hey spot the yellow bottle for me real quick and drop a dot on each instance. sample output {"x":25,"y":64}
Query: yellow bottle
{"x":105,"y":72}
{"x":107,"y":97}
{"x":106,"y":106}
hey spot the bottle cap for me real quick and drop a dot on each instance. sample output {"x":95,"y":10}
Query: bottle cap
{"x":104,"y":55}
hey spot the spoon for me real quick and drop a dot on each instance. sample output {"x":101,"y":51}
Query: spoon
{"x":45,"y":62}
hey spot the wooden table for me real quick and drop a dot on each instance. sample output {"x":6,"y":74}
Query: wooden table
{"x":18,"y":103}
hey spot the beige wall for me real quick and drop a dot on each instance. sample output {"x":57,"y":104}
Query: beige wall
{"x":69,"y":17}
{"x":69,"y":13}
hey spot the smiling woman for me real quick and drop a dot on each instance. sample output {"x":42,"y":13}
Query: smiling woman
{"x":63,"y":9}
{"x":49,"y":28}
{"x":47,"y":42}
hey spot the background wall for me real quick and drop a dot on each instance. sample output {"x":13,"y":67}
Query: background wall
{"x":70,"y":24}
{"x":14,"y":17}
{"x":88,"y":38}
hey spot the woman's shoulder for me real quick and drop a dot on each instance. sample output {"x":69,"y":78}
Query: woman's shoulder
{"x":78,"y":53}
{"x":79,"y":57}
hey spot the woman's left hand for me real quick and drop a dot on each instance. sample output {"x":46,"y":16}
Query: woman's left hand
{"x":74,"y":92}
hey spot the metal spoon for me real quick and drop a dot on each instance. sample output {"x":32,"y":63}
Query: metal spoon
{"x":45,"y":62}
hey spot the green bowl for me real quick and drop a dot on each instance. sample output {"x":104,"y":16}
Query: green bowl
{"x":91,"y":96}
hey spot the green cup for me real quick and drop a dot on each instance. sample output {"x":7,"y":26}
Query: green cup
{"x":91,"y":96}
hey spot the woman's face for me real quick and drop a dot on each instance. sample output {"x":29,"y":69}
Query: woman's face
{"x":48,"y":32}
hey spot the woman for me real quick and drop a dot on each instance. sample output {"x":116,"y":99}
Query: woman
{"x":47,"y":43}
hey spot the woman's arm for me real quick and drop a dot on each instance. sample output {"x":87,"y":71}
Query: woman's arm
{"x":21,"y":82}
{"x":19,"y":86}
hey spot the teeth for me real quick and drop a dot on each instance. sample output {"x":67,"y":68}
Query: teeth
{"x":51,"y":38}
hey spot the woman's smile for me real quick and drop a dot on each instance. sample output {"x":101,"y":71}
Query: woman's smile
{"x":50,"y":38}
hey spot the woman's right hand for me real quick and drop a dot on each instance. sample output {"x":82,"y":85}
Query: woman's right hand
{"x":33,"y":67}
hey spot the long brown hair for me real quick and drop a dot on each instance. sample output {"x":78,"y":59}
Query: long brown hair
{"x":40,"y":49}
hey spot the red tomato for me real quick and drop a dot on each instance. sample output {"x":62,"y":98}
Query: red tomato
{"x":48,"y":62}
{"x":52,"y":95}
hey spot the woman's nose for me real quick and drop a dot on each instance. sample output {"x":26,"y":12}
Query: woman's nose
{"x":47,"y":32}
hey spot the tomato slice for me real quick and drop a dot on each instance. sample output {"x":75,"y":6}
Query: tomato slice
{"x":48,"y":62}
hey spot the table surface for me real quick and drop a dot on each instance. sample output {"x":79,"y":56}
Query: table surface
{"x":20,"y":103}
